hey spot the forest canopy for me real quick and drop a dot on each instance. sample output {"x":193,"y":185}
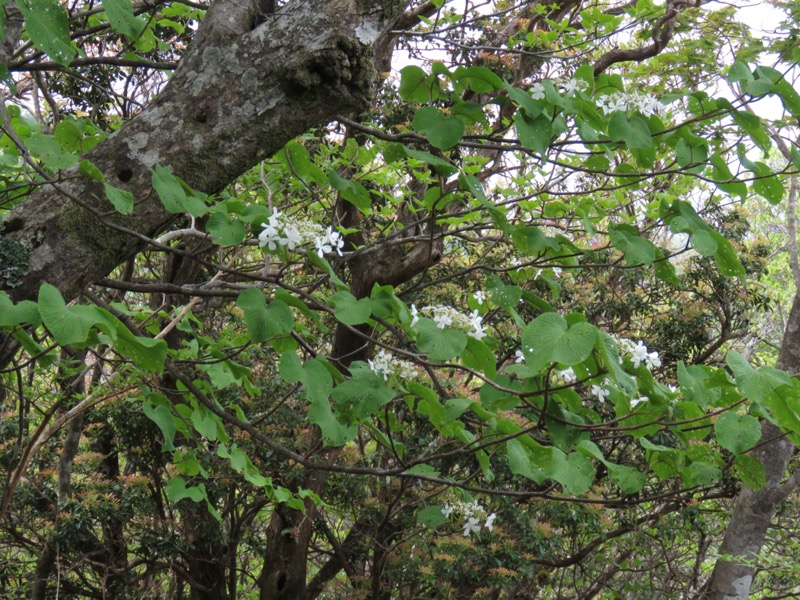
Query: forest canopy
{"x":383,"y":299}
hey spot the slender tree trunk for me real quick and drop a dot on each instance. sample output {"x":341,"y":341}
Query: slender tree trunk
{"x":754,"y":509}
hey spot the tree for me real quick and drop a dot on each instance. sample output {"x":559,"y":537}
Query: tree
{"x":293,"y":322}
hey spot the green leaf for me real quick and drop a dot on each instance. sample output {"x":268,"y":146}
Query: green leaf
{"x":334,"y":433}
{"x":753,"y":126}
{"x":431,"y":517}
{"x":87,"y":169}
{"x":518,"y":460}
{"x":422,"y":469}
{"x":479,"y":79}
{"x":442,"y":132}
{"x":737,"y":433}
{"x":349,"y":309}
{"x":358,"y":398}
{"x":739,"y":71}
{"x":704,"y":243}
{"x":534,"y":133}
{"x":225,"y":231}
{"x":176,"y":491}
{"x":120,"y":16}
{"x":264,"y":322}
{"x":548,"y":339}
{"x":750,"y":471}
{"x":169,"y":189}
{"x":300,"y":162}
{"x":631,"y":130}
{"x":67,"y":327}
{"x":575,"y":474}
{"x":440,"y":344}
{"x":635,"y":248}
{"x":440,"y":165}
{"x":47,"y":24}
{"x":352,"y":191}
{"x":478,"y":356}
{"x":162,"y":416}
{"x":413,"y":84}
{"x":121,"y":199}
{"x":47,"y":149}
{"x":724,"y":179}
{"x":755,"y":384}
{"x":23,"y":313}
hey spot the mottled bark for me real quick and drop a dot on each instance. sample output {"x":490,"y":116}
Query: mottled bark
{"x":237,"y":97}
{"x":754,"y":509}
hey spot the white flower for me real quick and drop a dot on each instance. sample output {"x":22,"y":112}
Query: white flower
{"x":639,"y":355}
{"x":323,"y":246}
{"x":490,"y":522}
{"x":448,"y":510}
{"x":567,"y":376}
{"x":293,"y":237}
{"x":336,"y":240}
{"x":480,"y":296}
{"x":386,"y":364}
{"x":476,"y":323}
{"x":269,"y":237}
{"x":556,"y":272}
{"x":414,"y":315}
{"x":637,"y":401}
{"x":442,"y":320}
{"x":537,"y":91}
{"x":570,"y":86}
{"x":275,"y":219}
{"x":382,"y":364}
{"x":472,"y":525}
{"x":519,"y":357}
{"x":601,"y":392}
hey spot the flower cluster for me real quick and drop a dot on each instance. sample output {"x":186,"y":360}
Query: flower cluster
{"x":279,"y":231}
{"x":619,"y":101}
{"x":600,"y":392}
{"x":386,"y":364}
{"x":445,"y":316}
{"x":570,"y":87}
{"x":638,"y":354}
{"x":472,"y":513}
{"x":568,"y":376}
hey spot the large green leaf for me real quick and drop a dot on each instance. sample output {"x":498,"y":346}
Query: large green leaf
{"x":442,"y":131}
{"x":264,"y":322}
{"x":414,"y":86}
{"x":67,"y":326}
{"x":349,"y":309}
{"x":18,"y":314}
{"x":631,"y":130}
{"x":755,"y":384}
{"x":737,"y":433}
{"x":47,"y":149}
{"x":440,"y":344}
{"x":120,"y":16}
{"x":549,"y":339}
{"x":47,"y":24}
{"x":358,"y":398}
{"x":534,"y":133}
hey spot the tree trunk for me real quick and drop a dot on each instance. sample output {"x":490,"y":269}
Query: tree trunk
{"x":236,"y":98}
{"x":753,"y":511}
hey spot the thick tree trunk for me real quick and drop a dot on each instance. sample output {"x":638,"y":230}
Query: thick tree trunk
{"x":753,"y":511}
{"x":237,"y":97}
